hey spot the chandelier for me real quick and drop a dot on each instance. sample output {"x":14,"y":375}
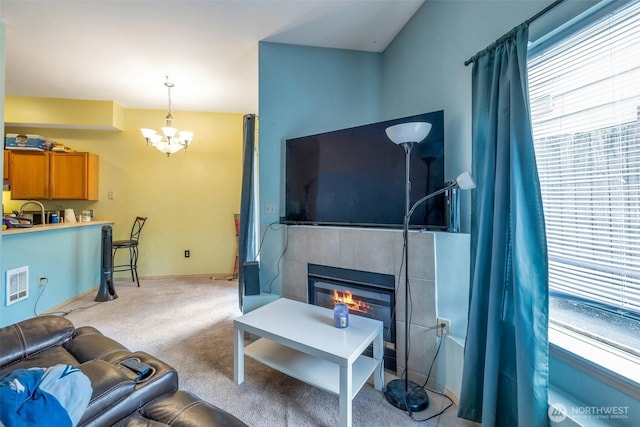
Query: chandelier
{"x":171,"y":140}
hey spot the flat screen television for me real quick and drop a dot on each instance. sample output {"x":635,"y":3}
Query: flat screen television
{"x":356,"y":177}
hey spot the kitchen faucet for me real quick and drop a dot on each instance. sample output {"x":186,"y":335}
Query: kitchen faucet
{"x":44,"y":220}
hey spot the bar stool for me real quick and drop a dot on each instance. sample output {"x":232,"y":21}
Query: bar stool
{"x":132,"y":245}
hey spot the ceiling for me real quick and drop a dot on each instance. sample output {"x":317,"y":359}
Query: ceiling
{"x":121,"y":50}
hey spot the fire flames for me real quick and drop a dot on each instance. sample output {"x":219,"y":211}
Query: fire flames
{"x":346,"y":297}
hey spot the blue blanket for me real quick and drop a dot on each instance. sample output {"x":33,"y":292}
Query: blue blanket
{"x":56,"y":396}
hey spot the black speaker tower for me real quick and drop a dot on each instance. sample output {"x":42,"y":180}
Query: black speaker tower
{"x":251,"y":270}
{"x":107,"y":291}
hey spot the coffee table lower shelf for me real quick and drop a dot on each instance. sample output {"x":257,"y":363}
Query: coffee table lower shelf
{"x":309,"y":369}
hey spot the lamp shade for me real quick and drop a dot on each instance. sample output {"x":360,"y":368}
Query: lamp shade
{"x":169,"y":132}
{"x":168,"y":148}
{"x":465,"y":181}
{"x":147,"y":133}
{"x":408,"y":132}
{"x":186,"y":136}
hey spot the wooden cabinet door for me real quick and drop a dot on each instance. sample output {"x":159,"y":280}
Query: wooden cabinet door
{"x":73,"y":176}
{"x":5,"y":171}
{"x":29,"y":174}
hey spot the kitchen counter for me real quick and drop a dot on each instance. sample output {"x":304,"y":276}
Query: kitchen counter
{"x":52,"y":227}
{"x":66,"y":257}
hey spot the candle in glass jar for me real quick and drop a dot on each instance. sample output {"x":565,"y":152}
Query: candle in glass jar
{"x":341,"y":315}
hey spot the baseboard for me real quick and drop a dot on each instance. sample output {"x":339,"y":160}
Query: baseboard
{"x":456,"y":401}
{"x":214,"y":276}
{"x":94,"y":290}
{"x":77,"y":297}
{"x":451,"y":395}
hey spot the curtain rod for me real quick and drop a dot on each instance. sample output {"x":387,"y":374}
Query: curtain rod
{"x":528,"y":21}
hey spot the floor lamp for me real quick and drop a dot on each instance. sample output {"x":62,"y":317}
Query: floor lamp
{"x":404,"y":394}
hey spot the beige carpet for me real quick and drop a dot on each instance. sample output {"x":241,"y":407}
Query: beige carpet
{"x":188,"y":323}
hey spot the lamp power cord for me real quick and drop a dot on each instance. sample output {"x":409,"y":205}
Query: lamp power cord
{"x":442,"y":328}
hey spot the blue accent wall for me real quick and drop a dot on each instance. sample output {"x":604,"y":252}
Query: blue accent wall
{"x":70,"y":259}
{"x":303,"y":91}
{"x":424,"y":70}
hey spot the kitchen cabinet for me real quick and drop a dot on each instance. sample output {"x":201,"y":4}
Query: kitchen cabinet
{"x":47,"y":175}
{"x":5,"y":170}
{"x":29,"y":175}
{"x":73,"y":176}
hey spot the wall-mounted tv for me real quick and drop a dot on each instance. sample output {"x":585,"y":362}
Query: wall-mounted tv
{"x":356,"y":177}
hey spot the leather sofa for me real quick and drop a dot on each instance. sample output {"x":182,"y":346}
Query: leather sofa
{"x":117,"y":398}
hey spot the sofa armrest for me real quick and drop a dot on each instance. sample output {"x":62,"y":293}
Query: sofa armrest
{"x":31,"y":336}
{"x":89,"y":344}
{"x":107,"y":407}
{"x":110,"y":386}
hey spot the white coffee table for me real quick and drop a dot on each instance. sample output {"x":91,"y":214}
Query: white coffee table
{"x":300,"y":340}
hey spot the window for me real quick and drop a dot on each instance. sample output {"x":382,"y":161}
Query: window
{"x":585,"y":107}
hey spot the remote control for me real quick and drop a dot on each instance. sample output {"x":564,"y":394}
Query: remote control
{"x":142,"y":369}
{"x":129,"y":373}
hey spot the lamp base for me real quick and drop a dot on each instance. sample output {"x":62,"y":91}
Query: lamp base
{"x":415,"y":399}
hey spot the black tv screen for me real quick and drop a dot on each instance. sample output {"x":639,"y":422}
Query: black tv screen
{"x":356,"y":177}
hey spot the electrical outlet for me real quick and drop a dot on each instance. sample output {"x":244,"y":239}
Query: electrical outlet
{"x":269,"y":208}
{"x":440,"y":329}
{"x":110,"y":195}
{"x":42,"y":281}
{"x":187,"y":253}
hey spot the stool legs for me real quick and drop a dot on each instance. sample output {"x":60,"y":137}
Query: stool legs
{"x":133,"y":263}
{"x":133,"y":257}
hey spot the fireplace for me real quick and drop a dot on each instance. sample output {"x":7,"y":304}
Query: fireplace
{"x":366,"y":294}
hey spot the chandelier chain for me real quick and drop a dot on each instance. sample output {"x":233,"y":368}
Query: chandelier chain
{"x":169,"y":86}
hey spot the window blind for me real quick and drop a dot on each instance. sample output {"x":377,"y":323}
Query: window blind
{"x":585,"y":108}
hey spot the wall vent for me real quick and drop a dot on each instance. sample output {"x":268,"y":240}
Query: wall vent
{"x":17,"y":284}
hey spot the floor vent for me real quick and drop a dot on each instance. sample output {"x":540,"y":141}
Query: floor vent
{"x":17,"y":284}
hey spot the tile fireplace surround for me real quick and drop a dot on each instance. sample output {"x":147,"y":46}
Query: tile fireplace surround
{"x":379,"y":251}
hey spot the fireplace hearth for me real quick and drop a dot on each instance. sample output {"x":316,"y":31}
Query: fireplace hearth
{"x":365,"y":293}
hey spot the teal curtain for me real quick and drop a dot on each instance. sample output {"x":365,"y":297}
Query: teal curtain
{"x":246,"y":235}
{"x":505,"y":374}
